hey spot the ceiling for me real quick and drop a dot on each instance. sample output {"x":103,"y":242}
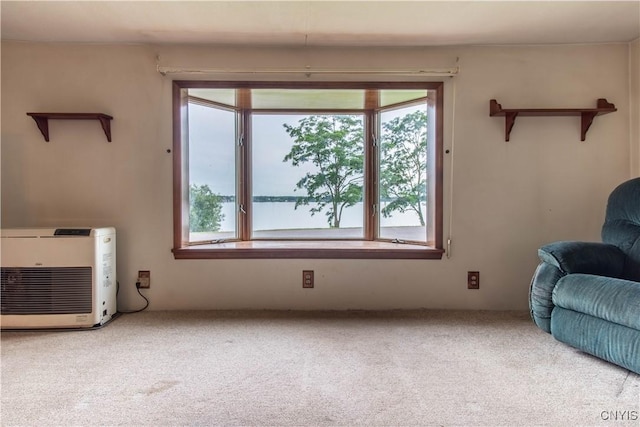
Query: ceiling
{"x":322,"y":23}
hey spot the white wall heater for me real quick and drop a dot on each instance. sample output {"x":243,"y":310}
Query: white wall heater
{"x":57,"y":277}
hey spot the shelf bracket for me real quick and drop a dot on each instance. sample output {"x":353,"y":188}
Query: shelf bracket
{"x":585,"y":123}
{"x":43,"y":125}
{"x":509,"y":121}
{"x":106,"y":126}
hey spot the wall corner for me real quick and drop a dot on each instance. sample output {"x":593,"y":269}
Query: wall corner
{"x":634,"y":106}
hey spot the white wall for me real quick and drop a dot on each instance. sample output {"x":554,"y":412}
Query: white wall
{"x":507,"y":199}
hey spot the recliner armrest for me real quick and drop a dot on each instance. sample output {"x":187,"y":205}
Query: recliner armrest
{"x":600,"y":259}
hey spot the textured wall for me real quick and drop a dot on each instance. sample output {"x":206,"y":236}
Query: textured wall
{"x":505,"y":199}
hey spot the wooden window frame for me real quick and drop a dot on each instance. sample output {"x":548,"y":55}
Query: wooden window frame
{"x":284,"y":248}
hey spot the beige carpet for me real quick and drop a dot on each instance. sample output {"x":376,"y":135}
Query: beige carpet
{"x":318,"y":368}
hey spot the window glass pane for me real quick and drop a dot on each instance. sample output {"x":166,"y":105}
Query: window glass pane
{"x":307,"y":176}
{"x":396,"y":96}
{"x":222,"y":96}
{"x":343,"y":99}
{"x":212,"y":173}
{"x":403,"y":166}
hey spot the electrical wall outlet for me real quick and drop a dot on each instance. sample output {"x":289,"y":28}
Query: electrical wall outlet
{"x":144,"y":279}
{"x":307,"y":278}
{"x":473,"y":280}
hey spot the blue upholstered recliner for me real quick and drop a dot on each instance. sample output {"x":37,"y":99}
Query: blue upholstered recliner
{"x":587,"y":295}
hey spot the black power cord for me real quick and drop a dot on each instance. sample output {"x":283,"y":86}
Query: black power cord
{"x":139,"y":293}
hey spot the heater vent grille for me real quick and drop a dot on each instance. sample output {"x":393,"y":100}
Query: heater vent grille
{"x":46,"y":290}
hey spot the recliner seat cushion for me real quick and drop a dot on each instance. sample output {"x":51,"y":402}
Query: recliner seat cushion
{"x":626,"y":236}
{"x":614,"y":300}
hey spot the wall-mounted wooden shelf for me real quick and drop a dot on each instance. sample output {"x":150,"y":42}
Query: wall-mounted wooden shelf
{"x":587,"y":114}
{"x":42,"y":120}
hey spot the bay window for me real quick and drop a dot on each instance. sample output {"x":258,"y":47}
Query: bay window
{"x":307,"y":170}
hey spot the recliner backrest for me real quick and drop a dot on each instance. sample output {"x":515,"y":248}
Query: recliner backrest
{"x":622,"y":225}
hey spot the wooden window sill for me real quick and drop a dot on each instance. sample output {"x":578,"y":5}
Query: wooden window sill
{"x":308,"y":249}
